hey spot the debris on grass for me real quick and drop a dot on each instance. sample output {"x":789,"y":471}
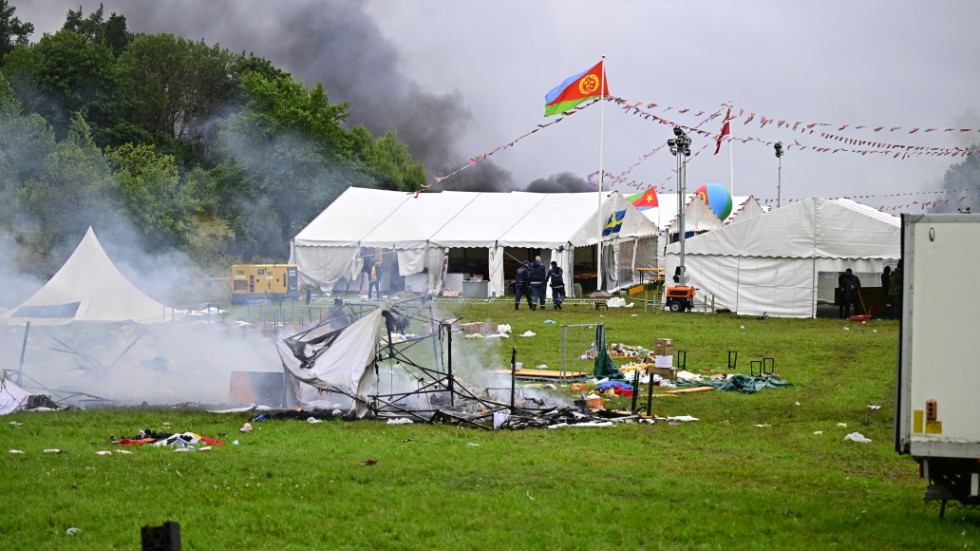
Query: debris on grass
{"x":857,"y":437}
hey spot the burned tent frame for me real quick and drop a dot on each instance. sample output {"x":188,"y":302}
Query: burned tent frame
{"x":436,"y":380}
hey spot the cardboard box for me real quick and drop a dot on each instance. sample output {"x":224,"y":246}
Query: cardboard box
{"x":663,"y":361}
{"x":663,"y":347}
{"x":669,"y":373}
{"x":481,"y":327}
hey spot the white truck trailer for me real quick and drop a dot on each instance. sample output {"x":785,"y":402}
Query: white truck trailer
{"x":937,"y":406}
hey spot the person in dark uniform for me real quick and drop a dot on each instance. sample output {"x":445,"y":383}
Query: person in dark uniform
{"x":850,"y":286}
{"x":557,"y":282}
{"x":895,"y":291}
{"x":522,"y":281}
{"x":538,"y":276}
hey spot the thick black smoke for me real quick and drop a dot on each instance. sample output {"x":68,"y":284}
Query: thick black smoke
{"x":338,"y":43}
{"x":565,"y":182}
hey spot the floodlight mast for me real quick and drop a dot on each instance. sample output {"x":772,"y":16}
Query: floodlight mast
{"x":680,"y":147}
{"x":779,"y":171}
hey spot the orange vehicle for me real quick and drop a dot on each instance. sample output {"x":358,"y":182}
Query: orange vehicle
{"x":680,"y":298}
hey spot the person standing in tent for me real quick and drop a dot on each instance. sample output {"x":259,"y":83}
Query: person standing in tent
{"x":538,"y":276}
{"x":850,"y":286}
{"x":373,"y":281}
{"x":895,"y":291}
{"x":885,"y":281}
{"x":555,"y":278}
{"x":522,"y":280}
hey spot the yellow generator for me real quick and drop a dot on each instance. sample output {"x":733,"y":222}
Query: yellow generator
{"x":263,"y":282}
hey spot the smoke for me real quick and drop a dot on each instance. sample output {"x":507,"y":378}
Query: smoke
{"x":339,"y":44}
{"x":564,"y":182}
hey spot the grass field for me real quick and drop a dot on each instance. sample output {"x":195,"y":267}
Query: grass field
{"x":722,"y":482}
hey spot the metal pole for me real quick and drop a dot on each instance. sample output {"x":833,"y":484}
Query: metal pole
{"x":449,"y":363}
{"x":23,"y":351}
{"x":636,"y":388}
{"x":513,"y":375}
{"x":779,"y":181}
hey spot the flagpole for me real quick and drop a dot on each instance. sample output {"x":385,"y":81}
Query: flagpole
{"x":731,"y":161}
{"x":602,"y":119}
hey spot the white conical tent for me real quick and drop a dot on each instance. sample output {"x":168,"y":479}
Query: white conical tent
{"x":89,"y":287}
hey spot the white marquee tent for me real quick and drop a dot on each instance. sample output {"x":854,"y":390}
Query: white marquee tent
{"x":89,"y":287}
{"x":774,"y":264}
{"x":419,"y":228}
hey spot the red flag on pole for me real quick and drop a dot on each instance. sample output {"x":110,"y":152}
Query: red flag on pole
{"x":726,"y":129}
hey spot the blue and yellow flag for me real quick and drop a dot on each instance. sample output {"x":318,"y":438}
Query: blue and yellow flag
{"x":614,"y":223}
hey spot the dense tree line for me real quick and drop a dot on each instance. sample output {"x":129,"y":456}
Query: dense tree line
{"x":220,"y":154}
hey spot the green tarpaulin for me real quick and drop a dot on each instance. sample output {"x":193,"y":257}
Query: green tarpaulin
{"x":741,"y":383}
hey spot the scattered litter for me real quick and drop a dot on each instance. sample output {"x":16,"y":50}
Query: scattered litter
{"x":103,"y":452}
{"x":528,"y":494}
{"x":368,"y":462}
{"x":588,"y":424}
{"x":548,"y":386}
{"x":857,"y":437}
{"x":549,"y":322}
{"x":634,"y":315}
{"x":844,"y":425}
{"x":182,"y":449}
{"x":763,"y":426}
{"x":473,"y":444}
{"x":741,"y":327}
{"x":398,"y":421}
{"x":16,"y":451}
{"x":818,"y":432}
{"x":796,"y":403}
{"x":528,"y":334}
{"x":616,"y":302}
{"x":847,"y":328}
{"x":16,"y":424}
{"x":503,"y":328}
{"x":246,"y":427}
{"x":682,"y":419}
{"x":874,"y":330}
{"x":260,"y":418}
{"x":234,"y":443}
{"x":874,"y":408}
{"x":124,"y":452}
{"x":499,"y":418}
{"x":72,"y":531}
{"x":52,"y":450}
{"x":543,"y":366}
{"x":204,"y":449}
{"x":313,"y":420}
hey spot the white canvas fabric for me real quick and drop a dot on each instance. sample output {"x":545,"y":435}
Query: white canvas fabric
{"x":412,"y":225}
{"x":89,"y":287}
{"x":344,"y":365}
{"x":771,"y":264}
{"x":12,"y":397}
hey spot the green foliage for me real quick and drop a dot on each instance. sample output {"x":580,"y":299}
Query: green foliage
{"x":147,"y":187}
{"x":199,"y":142}
{"x":12,"y":30}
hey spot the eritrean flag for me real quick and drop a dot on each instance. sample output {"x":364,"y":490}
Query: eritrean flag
{"x":576,"y":89}
{"x":614,"y":223}
{"x":644,"y":201}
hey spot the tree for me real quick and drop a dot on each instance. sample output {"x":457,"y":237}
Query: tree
{"x":67,"y":195}
{"x":24,"y":141}
{"x":146,"y":186}
{"x":388,"y":161}
{"x":63,"y":74}
{"x":94,"y":28}
{"x":171,"y":88}
{"x":962,"y":185}
{"x":12,"y":30}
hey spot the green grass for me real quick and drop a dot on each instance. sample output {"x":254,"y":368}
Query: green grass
{"x":719,"y":483}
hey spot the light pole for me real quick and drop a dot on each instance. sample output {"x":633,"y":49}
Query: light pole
{"x":779,"y":171}
{"x":680,"y":147}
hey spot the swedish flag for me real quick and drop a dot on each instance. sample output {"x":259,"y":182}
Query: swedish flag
{"x":614,"y":223}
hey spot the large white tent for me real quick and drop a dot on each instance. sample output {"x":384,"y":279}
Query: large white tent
{"x":783,"y":263}
{"x":89,"y":287}
{"x":419,"y":228}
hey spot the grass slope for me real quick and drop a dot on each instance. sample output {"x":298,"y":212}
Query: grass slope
{"x":722,"y":482}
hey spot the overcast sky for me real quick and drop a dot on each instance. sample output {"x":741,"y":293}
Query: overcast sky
{"x":486,"y":66}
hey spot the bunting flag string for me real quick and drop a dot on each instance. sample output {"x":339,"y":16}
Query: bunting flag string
{"x":485,"y":156}
{"x":812,"y":126}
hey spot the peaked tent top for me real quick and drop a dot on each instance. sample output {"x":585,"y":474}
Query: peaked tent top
{"x":89,"y":287}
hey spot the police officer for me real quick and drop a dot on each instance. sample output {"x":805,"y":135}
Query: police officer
{"x":557,"y":285}
{"x":522,"y":279}
{"x":538,"y":276}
